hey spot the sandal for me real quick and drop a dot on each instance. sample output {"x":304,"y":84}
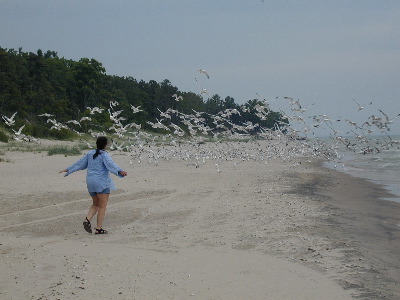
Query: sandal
{"x":87,"y":225}
{"x":101,"y":231}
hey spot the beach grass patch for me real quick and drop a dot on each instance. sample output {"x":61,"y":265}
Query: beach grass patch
{"x":4,"y":159}
{"x":63,"y":150}
{"x":3,"y":137}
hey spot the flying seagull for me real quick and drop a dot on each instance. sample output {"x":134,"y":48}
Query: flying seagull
{"x":177,"y":98}
{"x":19,"y":131}
{"x":9,"y":121}
{"x":46,"y":115}
{"x":204,"y":72}
{"x":135,"y":109}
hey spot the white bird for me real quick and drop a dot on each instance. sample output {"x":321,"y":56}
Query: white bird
{"x":114,"y":114}
{"x":77,"y":132}
{"x":88,"y":145}
{"x":359,"y":106}
{"x":46,"y":115}
{"x":176,"y":127}
{"x":117,"y":147}
{"x":204,"y":72}
{"x":172,"y":111}
{"x":244,"y":109}
{"x":164,"y":114}
{"x":136,"y":126}
{"x":95,"y":110}
{"x":204,"y":91}
{"x":58,"y":126}
{"x":386,"y":117}
{"x":113,"y":103}
{"x":135,"y":109}
{"x":351,"y":122}
{"x":19,"y":131}
{"x":158,"y":125}
{"x":74,"y":122}
{"x":9,"y":121}
{"x":85,"y":119}
{"x":177,"y":98}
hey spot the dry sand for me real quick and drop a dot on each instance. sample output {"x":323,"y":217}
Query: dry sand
{"x":258,"y":231}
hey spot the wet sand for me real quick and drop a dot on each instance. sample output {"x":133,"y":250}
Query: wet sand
{"x":371,"y":226}
{"x":255,"y":231}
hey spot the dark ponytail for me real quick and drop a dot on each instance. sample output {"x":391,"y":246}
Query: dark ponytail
{"x":101,"y":143}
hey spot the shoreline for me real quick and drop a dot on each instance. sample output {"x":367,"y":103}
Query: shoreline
{"x":369,"y":220}
{"x":290,"y":227}
{"x":391,"y":187}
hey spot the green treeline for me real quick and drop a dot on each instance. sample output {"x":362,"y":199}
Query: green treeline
{"x":36,"y":83}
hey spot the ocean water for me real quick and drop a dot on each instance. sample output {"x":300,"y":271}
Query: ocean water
{"x":382,"y":168}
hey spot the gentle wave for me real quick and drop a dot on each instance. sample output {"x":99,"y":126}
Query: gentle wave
{"x":382,"y":168}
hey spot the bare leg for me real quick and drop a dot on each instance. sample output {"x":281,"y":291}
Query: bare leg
{"x":103,"y":200}
{"x":94,"y":208}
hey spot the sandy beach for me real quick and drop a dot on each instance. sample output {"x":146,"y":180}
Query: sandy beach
{"x":254,"y":231}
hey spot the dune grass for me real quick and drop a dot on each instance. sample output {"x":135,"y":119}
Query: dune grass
{"x":64,"y":150}
{"x":2,"y":158}
{"x":3,"y":137}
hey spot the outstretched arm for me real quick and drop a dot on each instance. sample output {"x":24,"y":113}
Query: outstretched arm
{"x":79,"y":165}
{"x":112,"y":166}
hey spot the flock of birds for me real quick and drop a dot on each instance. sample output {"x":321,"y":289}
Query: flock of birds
{"x":190,"y":138}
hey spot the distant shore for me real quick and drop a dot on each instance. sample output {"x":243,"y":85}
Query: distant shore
{"x":257,"y":231}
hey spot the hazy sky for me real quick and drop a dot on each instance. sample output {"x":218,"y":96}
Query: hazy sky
{"x":322,"y":52}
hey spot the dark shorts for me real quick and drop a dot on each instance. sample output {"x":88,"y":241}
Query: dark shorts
{"x":105,"y":191}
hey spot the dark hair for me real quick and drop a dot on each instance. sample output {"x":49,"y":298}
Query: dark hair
{"x":101,"y":143}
